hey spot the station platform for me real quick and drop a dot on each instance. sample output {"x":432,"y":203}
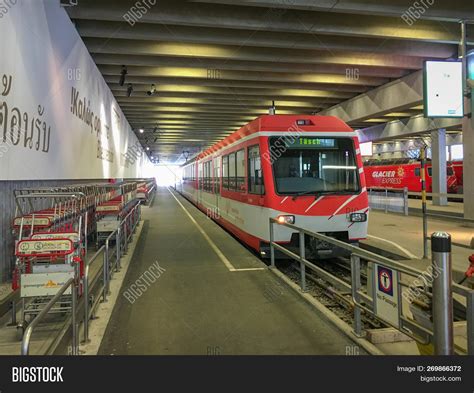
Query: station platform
{"x":455,"y":209}
{"x":403,"y":235}
{"x":213,"y":296}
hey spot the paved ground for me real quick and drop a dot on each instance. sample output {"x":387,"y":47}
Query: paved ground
{"x":451,"y":208}
{"x":404,"y":235}
{"x":199,"y":306}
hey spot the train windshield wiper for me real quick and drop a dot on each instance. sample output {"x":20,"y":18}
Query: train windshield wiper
{"x":320,"y":193}
{"x":298,"y":194}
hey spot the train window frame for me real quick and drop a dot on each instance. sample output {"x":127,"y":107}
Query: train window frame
{"x":417,"y":172}
{"x":216,"y":168}
{"x":232,"y":175}
{"x":206,"y":178}
{"x":359,"y":190}
{"x":225,"y":172}
{"x":240,"y":181}
{"x":250,"y":183}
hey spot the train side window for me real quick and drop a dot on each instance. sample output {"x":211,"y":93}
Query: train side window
{"x":206,"y":176}
{"x":429,"y":172}
{"x":417,"y":172}
{"x":225,"y":172}
{"x":232,"y":182}
{"x":200,"y":176}
{"x":217,"y":174}
{"x":255,"y":176}
{"x":240,"y":170}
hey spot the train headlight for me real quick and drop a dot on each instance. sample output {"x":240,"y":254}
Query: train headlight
{"x":286,"y":219}
{"x":358,"y":217}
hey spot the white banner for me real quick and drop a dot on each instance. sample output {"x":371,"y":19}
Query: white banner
{"x":58,"y":118}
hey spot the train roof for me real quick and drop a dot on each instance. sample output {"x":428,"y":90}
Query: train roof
{"x":397,"y":161}
{"x":289,"y":123}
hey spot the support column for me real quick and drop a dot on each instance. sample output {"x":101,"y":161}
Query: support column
{"x":468,"y":164}
{"x":438,"y":167}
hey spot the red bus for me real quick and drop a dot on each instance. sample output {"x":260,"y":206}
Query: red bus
{"x":401,"y":173}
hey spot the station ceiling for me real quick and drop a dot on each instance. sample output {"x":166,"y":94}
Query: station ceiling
{"x":216,"y":65}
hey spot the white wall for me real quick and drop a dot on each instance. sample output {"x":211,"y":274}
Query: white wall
{"x":46,"y":75}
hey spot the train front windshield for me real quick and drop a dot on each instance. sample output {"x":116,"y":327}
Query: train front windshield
{"x":310,"y":165}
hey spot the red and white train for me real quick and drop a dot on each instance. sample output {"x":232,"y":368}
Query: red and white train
{"x":401,"y":173}
{"x":305,"y":170}
{"x":459,"y":172}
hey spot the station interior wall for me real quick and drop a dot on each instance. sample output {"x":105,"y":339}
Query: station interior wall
{"x":59,"y":121}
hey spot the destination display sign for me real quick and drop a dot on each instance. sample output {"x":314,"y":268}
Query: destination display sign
{"x":311,"y":142}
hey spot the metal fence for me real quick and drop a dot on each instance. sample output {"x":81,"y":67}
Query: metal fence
{"x":389,"y":199}
{"x":110,"y":264}
{"x":388,"y":283}
{"x":111,"y":255}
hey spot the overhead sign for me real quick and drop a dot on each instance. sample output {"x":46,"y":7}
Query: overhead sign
{"x":443,"y":89}
{"x":386,"y":294}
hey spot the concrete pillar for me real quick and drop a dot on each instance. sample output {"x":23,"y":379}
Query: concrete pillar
{"x":468,"y":164}
{"x":438,"y":166}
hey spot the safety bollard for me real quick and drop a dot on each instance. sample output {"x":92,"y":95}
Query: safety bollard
{"x":442,"y":294}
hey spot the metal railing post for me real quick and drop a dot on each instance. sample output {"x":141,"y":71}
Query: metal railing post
{"x":105,"y":278}
{"x":470,"y":323}
{"x":117,"y":245}
{"x":109,"y":272}
{"x":302,"y":265}
{"x":135,"y":219}
{"x":405,"y":200}
{"x":442,"y":294}
{"x":355,"y":287}
{"x":272,"y":249}
{"x":423,"y":204}
{"x":75,"y":338}
{"x":125,"y":237}
{"x":13,"y":307}
{"x":85,"y":284}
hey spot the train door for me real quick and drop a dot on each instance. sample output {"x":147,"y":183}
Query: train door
{"x":200,"y":183}
{"x":216,"y":162}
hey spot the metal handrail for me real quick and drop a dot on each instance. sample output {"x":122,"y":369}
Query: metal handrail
{"x":354,"y":249}
{"x":105,"y":269}
{"x":86,"y":293}
{"x":356,"y":254}
{"x":25,"y":344}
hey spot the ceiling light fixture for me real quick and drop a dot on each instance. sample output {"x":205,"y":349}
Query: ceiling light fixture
{"x":152,"y":90}
{"x":129,"y":90}
{"x":122,"y":75}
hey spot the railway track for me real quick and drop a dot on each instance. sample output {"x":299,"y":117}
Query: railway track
{"x":338,"y":301}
